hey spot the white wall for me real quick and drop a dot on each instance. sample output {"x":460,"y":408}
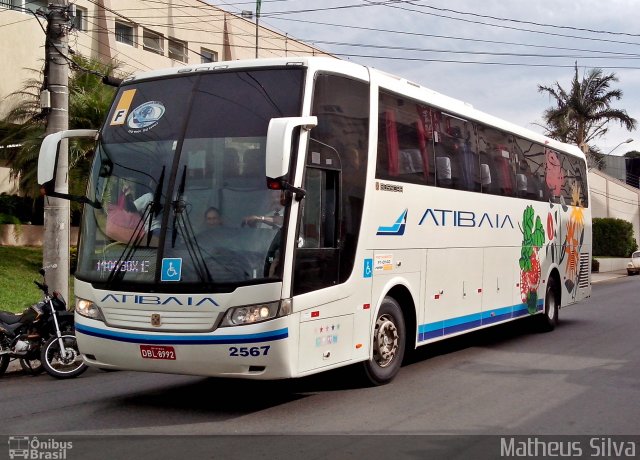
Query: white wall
{"x":611,"y":197}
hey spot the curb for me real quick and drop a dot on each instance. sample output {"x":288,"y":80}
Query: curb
{"x":14,"y":366}
{"x":598,"y":277}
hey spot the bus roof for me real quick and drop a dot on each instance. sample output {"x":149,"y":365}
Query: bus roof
{"x":383,"y":79}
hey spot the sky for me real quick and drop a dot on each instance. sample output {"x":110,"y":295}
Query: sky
{"x":531,"y":42}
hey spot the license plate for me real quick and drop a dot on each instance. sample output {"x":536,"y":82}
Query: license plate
{"x":157,"y":352}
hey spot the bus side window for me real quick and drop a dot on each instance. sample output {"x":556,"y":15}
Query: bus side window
{"x":458,"y":160}
{"x":573,"y":188}
{"x":405,"y":146}
{"x":496,"y":151}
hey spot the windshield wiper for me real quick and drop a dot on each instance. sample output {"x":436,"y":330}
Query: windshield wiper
{"x":182,"y":224}
{"x":155,"y":205}
{"x":151,"y":209}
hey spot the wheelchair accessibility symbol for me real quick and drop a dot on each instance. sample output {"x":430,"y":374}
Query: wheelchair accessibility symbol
{"x":171,"y":269}
{"x":368,"y":268}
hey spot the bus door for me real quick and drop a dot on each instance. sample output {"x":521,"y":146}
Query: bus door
{"x":327,"y":284}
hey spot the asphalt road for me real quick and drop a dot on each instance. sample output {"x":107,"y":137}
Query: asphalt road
{"x":581,"y":379}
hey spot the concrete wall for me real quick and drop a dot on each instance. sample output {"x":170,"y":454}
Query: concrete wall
{"x":28,"y":235}
{"x":612,"y":265}
{"x":7,"y":185}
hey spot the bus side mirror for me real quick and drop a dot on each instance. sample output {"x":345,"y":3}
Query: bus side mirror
{"x":48,"y":156}
{"x":279,"y":135}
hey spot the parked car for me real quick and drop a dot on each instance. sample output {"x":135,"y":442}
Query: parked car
{"x":633,"y":267}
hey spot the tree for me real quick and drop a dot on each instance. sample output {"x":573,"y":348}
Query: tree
{"x":24,"y":125}
{"x":583,"y":113}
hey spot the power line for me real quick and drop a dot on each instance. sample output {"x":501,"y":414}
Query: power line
{"x":394,"y":4}
{"x":513,"y":28}
{"x":448,"y":37}
{"x":453,"y":61}
{"x":519,"y":21}
{"x":491,"y":53}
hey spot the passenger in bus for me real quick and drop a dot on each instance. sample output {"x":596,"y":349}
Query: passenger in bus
{"x":274,"y":216}
{"x":124,"y":217}
{"x":212,"y":218}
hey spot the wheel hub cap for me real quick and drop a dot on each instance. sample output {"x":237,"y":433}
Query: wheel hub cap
{"x":385,"y":341}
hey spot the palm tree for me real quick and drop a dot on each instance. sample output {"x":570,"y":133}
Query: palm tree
{"x":25,"y":123}
{"x":582,"y":114}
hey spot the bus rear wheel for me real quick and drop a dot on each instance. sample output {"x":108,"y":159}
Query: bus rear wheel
{"x":389,"y":340}
{"x":549,"y":320}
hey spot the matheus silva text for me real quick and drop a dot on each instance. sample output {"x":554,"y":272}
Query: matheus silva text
{"x":608,"y":447}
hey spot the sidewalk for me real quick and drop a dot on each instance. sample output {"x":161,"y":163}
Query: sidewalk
{"x":606,"y":276}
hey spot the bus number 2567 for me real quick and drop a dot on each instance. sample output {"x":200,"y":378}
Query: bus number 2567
{"x":249,"y":351}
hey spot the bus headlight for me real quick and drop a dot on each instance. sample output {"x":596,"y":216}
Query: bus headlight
{"x":250,"y":314}
{"x":88,"y":309}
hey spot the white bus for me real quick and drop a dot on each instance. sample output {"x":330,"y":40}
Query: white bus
{"x":269,"y":219}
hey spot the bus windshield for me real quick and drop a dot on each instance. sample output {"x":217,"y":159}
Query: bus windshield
{"x":178,"y":183}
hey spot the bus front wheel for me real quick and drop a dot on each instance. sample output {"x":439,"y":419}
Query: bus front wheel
{"x":389,"y":339}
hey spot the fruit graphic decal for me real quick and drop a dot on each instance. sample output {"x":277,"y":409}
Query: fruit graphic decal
{"x":573,"y":241}
{"x":532,"y":240}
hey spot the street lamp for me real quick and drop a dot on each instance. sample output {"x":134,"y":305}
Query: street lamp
{"x":628,"y":141}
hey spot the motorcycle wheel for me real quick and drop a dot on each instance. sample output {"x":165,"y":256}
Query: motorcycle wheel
{"x":4,"y":363}
{"x":62,"y":367}
{"x":32,"y":366}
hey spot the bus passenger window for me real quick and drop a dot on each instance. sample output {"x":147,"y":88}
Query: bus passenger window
{"x":405,"y":145}
{"x":456,"y":157}
{"x":497,"y":152}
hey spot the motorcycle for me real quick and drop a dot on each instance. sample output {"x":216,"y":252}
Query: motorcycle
{"x":42,"y":337}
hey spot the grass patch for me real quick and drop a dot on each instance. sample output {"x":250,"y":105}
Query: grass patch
{"x":18,"y":268}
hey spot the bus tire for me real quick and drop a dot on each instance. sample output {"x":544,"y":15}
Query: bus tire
{"x":549,"y":320}
{"x":389,"y":341}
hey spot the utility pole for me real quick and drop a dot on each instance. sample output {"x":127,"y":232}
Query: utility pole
{"x":56,"y":210}
{"x":258,"y":2}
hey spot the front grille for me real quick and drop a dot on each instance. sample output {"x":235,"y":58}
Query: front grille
{"x":175,"y":321}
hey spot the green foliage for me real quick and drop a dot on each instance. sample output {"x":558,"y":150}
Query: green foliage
{"x":73,"y":259}
{"x":9,"y":219}
{"x":613,"y":237}
{"x":532,"y":236}
{"x":25,"y":124}
{"x":24,"y":209}
{"x":19,"y":267}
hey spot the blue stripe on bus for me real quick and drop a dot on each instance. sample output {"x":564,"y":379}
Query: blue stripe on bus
{"x":182,"y":339}
{"x":474,"y":320}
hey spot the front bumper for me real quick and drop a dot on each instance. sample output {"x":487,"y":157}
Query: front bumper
{"x":257,"y":352}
